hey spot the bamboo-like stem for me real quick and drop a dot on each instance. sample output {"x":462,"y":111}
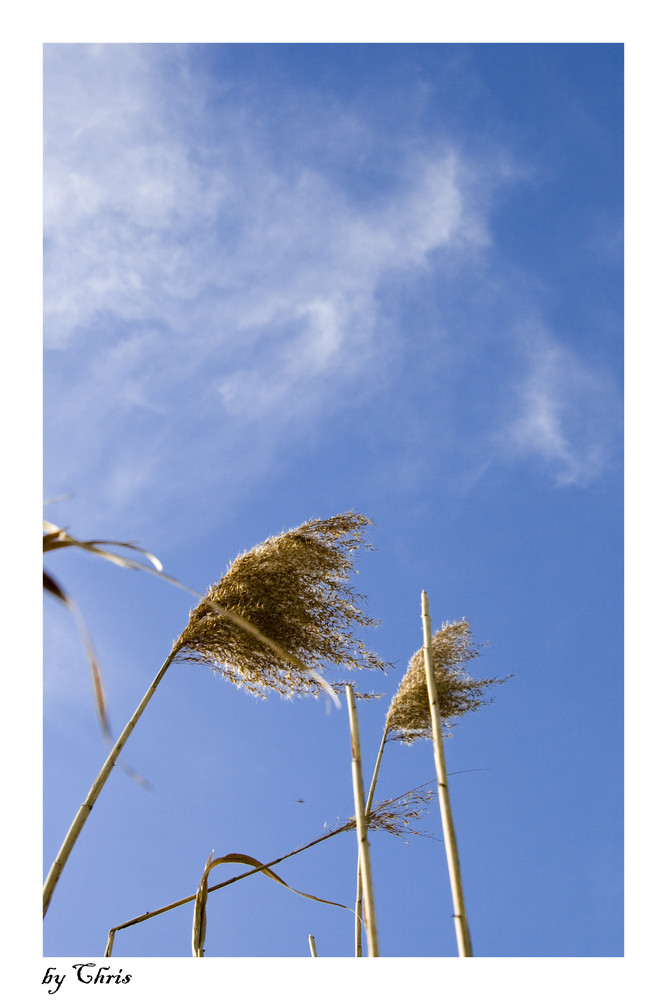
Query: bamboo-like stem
{"x":330,"y":543}
{"x":460,"y":918}
{"x":313,"y":949}
{"x":84,"y":810}
{"x":362,"y":830}
{"x":97,"y":786}
{"x":369,"y":806}
{"x":374,"y":779}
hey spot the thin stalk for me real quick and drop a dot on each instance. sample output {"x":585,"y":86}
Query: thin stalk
{"x":313,"y":949}
{"x":362,"y":831}
{"x":369,"y":806}
{"x":212,"y":888}
{"x":236,"y":878}
{"x":97,"y":786}
{"x":84,"y":810}
{"x":460,"y":918}
{"x":344,"y":828}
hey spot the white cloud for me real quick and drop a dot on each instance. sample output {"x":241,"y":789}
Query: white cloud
{"x":204,"y":292}
{"x":568,"y":413}
{"x":194,"y":223}
{"x":194,"y":274}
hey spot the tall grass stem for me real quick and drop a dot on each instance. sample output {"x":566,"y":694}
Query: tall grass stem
{"x":362,"y":829}
{"x":460,"y":918}
{"x":369,"y":806}
{"x":97,"y":786}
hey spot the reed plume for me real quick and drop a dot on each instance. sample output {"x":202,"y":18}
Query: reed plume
{"x":409,"y":716}
{"x":293,"y":588}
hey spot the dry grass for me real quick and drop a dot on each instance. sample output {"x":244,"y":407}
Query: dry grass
{"x":282,"y":610}
{"x":54,"y":538}
{"x":409,"y":718}
{"x":395,"y":816}
{"x":294,"y":588}
{"x":201,"y":896}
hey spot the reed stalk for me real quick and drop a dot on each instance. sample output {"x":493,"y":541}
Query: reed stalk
{"x":85,"y":808}
{"x":313,"y":949}
{"x":97,"y":786}
{"x":433,"y":695}
{"x":362,"y":829}
{"x":369,"y":806}
{"x":460,"y":918}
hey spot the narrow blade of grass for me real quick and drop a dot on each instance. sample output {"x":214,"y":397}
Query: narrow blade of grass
{"x":199,"y":917}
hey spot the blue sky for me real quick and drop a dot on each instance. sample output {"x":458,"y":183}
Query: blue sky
{"x":281,"y":282}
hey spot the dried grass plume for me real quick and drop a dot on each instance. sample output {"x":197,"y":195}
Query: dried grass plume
{"x":409,"y":718}
{"x":295,"y":589}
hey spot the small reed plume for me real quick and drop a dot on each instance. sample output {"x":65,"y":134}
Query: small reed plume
{"x":409,"y":715}
{"x":282,"y":611}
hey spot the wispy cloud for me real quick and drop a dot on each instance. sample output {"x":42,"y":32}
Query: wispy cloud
{"x":194,"y":274}
{"x":155,"y":217}
{"x":567,"y":414}
{"x":204,"y":291}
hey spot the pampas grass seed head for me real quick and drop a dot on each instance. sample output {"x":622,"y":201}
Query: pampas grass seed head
{"x":295,"y":589}
{"x":409,"y":717}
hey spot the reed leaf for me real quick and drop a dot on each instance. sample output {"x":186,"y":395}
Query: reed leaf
{"x":201,"y":897}
{"x":54,"y":538}
{"x":58,"y":538}
{"x":199,"y":920}
{"x":51,"y":586}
